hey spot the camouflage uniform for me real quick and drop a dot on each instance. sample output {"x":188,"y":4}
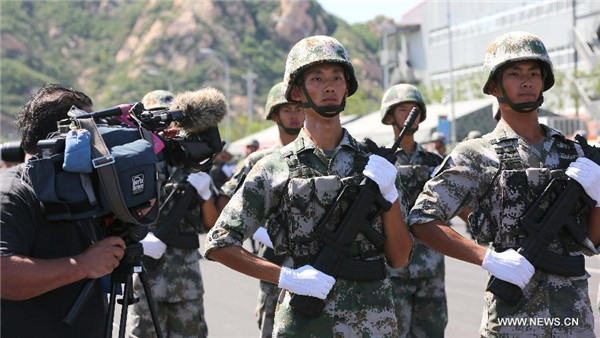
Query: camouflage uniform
{"x":298,"y":198}
{"x":499,"y":176}
{"x":471,"y":176}
{"x":175,"y":279}
{"x":176,"y":285}
{"x":419,"y":290}
{"x":268,"y":292}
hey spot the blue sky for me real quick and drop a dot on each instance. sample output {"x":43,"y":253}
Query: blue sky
{"x":355,"y":11}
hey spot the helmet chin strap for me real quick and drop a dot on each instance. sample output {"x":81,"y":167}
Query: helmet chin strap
{"x":289,"y":131}
{"x":524,"y":107}
{"x":409,"y":131}
{"x":325,"y":111}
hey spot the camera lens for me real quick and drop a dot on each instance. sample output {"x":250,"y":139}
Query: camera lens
{"x":12,"y":152}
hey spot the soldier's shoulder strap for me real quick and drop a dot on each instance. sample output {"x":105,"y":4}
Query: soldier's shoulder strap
{"x":508,"y":154}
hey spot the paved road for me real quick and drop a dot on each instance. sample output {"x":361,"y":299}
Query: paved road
{"x":230,"y":298}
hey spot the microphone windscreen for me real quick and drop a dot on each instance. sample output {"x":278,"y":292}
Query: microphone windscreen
{"x":202,"y":109}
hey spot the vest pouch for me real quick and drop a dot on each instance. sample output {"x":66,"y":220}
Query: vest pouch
{"x":64,"y":195}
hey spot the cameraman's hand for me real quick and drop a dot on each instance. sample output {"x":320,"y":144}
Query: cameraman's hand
{"x":102,"y":257}
{"x":153,"y":246}
{"x":201,"y":181}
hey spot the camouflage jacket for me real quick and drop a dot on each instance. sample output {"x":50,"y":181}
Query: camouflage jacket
{"x":415,"y":169}
{"x":300,"y":202}
{"x":471,"y":175}
{"x":268,"y":183}
{"x":176,"y":277}
{"x":230,"y":187}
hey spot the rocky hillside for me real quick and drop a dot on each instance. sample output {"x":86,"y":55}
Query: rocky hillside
{"x":117,"y":51}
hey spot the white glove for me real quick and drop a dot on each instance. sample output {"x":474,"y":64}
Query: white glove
{"x":384,"y":174}
{"x":587,"y":173}
{"x":510,"y":266}
{"x":201,"y":181}
{"x":262,"y":236}
{"x":306,"y":281}
{"x":228,"y":169}
{"x":153,"y":246}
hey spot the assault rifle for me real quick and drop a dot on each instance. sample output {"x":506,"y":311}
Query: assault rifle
{"x":179,"y":204}
{"x":554,"y":210}
{"x":333,"y":256}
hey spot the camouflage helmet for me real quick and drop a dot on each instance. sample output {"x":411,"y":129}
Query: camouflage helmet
{"x":473,"y":134}
{"x":315,"y":50}
{"x":275,"y":99}
{"x":157,"y":99}
{"x":437,"y":136}
{"x":512,"y":47}
{"x":398,"y":94}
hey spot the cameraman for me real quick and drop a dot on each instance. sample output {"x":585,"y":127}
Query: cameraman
{"x":44,"y":264}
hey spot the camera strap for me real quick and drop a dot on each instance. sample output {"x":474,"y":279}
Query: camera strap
{"x":103,"y":162}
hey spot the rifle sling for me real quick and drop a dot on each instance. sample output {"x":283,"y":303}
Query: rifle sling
{"x":354,"y":269}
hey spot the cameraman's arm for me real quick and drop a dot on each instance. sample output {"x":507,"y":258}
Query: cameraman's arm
{"x":23,"y":277}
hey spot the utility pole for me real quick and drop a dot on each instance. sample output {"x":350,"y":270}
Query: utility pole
{"x":574,"y":5}
{"x":452,"y":98}
{"x":249,"y":77}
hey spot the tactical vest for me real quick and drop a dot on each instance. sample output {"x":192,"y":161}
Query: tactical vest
{"x":424,"y":262}
{"x":308,"y":196}
{"x":514,"y":188}
{"x":414,"y":176}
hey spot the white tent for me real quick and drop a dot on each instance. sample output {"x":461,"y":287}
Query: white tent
{"x":370,"y":125}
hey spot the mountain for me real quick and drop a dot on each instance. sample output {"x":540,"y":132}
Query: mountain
{"x":116,"y":51}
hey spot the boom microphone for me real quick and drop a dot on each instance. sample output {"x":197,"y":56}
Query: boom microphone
{"x":202,"y":109}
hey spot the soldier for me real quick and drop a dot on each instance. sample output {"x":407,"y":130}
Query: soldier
{"x":297,"y":186}
{"x":439,"y":143}
{"x":419,"y":294}
{"x":289,"y":118}
{"x":174,"y":270}
{"x":499,"y":176}
{"x":472,"y":134}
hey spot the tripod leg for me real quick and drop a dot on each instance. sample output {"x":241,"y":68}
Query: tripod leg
{"x":108,"y":324}
{"x":151,"y":303}
{"x":127,"y":295}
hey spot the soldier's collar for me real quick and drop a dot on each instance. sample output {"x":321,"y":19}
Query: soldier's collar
{"x":303,"y":142}
{"x":552,"y":132}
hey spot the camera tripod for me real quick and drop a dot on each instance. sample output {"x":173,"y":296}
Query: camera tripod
{"x":131,"y":263}
{"x":123,"y":274}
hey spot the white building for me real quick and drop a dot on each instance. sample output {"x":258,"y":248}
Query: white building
{"x":441,"y":45}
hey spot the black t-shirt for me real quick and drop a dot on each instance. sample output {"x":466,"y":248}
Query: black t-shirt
{"x":25,"y":231}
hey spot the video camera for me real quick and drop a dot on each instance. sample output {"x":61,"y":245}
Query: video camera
{"x":114,"y":161}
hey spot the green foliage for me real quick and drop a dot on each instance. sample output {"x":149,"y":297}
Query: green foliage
{"x":75,"y":43}
{"x":18,"y":81}
{"x":364,"y":102}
